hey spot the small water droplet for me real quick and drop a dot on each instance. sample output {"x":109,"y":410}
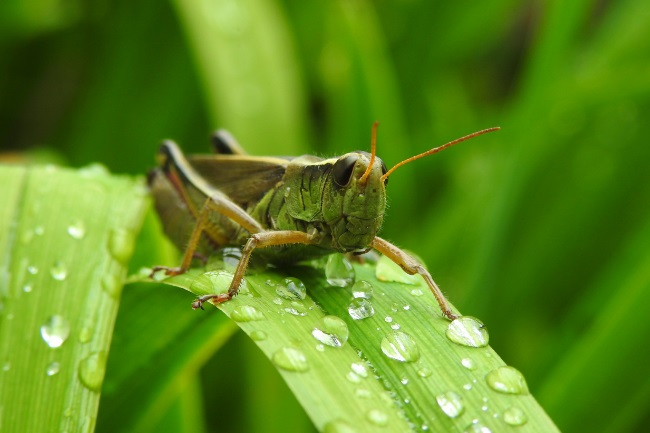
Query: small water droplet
{"x":32,"y":270}
{"x":58,"y":271}
{"x":120,"y":244}
{"x":467,"y":386}
{"x":400,"y":346}
{"x":417,"y":292}
{"x":39,"y":230}
{"x":338,"y":426}
{"x":258,"y":335}
{"x":388,"y":319}
{"x":387,"y":270}
{"x":377,"y":417}
{"x":468,"y":331}
{"x":451,"y":404}
{"x":6,"y":366}
{"x":277,"y":301}
{"x":362,"y":289}
{"x":404,"y":381}
{"x":112,"y":285}
{"x":362,"y":393}
{"x":53,"y":368}
{"x":77,"y":230}
{"x":55,"y":331}
{"x":339,"y":271}
{"x":292,"y":289}
{"x":290,"y":359}
{"x":92,"y":370}
{"x":514,"y":416}
{"x":395,"y":326}
{"x":507,"y":380}
{"x":27,"y":288}
{"x":476,"y":427}
{"x":361,"y":308}
{"x":468,"y":363}
{"x":332,"y":331}
{"x":360,"y":369}
{"x":320,"y":347}
{"x":86,"y":334}
{"x":297,"y":309}
{"x":246,"y":313}
{"x":353,"y":377}
{"x":424,"y":371}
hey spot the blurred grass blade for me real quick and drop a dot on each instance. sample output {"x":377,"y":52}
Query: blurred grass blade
{"x":394,"y":369}
{"x":66,"y":238}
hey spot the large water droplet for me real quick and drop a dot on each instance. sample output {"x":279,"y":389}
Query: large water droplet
{"x":477,"y":427}
{"x":362,"y":289}
{"x":120,"y":244}
{"x":507,"y":380}
{"x":361,"y":308}
{"x":292,"y":289}
{"x":290,"y":359}
{"x":77,"y":230}
{"x":338,"y":426}
{"x":53,"y":369}
{"x":226,"y":259}
{"x":339,"y":271}
{"x":92,"y":370}
{"x":377,"y":417}
{"x":331,"y":331}
{"x":514,"y":416}
{"x":400,"y":346}
{"x":387,"y":270}
{"x":246,"y":313}
{"x":468,"y":331}
{"x":55,"y":331}
{"x":58,"y":271}
{"x":212,"y":282}
{"x":451,"y":404}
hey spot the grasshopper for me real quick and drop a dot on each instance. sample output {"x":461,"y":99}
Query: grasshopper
{"x":284,"y":209}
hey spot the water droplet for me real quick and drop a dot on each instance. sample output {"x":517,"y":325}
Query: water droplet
{"x":451,"y":404}
{"x":424,"y":371}
{"x":58,"y":271}
{"x":476,"y":427}
{"x":468,"y":331}
{"x":362,"y":393}
{"x":92,"y":370}
{"x":258,"y":335}
{"x":39,"y":230}
{"x":400,"y":346}
{"x":359,"y":369}
{"x":339,"y":271}
{"x":514,"y":416}
{"x":53,"y":368}
{"x":417,"y":292}
{"x":120,"y":244}
{"x":55,"y":331}
{"x":361,"y":308}
{"x":377,"y":417}
{"x":387,"y":270}
{"x":6,"y":366}
{"x":246,"y":313}
{"x":332,"y":331}
{"x":32,"y":270}
{"x":338,"y":426}
{"x":112,"y":285}
{"x":212,"y":282}
{"x":290,"y":359}
{"x":86,"y":334}
{"x":362,"y":289}
{"x":468,"y":363}
{"x":27,"y":288}
{"x":292,"y":289}
{"x":404,"y":381}
{"x":353,"y":377}
{"x":226,"y":259}
{"x":388,"y":319}
{"x":77,"y":230}
{"x":507,"y":380}
{"x":467,"y":386}
{"x":297,"y":309}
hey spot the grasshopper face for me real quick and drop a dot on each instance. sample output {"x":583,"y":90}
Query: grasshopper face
{"x":354,"y":201}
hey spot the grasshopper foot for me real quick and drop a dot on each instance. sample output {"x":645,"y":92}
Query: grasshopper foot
{"x":216,"y":299}
{"x":168,"y":271}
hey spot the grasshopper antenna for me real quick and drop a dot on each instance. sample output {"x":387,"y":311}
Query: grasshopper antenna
{"x":373,"y":153}
{"x":434,"y":150}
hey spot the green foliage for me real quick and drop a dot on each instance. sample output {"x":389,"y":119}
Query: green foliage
{"x":540,"y":230}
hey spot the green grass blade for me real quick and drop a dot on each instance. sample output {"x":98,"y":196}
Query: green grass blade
{"x":357,"y":385}
{"x":66,"y":238}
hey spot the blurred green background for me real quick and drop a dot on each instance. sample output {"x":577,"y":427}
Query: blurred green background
{"x":541,"y":230}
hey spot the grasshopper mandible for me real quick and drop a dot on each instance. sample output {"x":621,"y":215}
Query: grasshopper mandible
{"x":290,"y":209}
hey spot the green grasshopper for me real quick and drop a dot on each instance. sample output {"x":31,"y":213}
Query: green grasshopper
{"x":290,"y":209}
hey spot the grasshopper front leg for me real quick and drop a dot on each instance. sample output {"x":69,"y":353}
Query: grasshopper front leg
{"x":257,"y":240}
{"x":411,"y":267}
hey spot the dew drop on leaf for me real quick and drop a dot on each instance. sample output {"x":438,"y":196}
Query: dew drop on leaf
{"x":507,"y":380}
{"x":468,"y":331}
{"x":339,"y":271}
{"x":290,"y":359}
{"x":55,"y":331}
{"x":400,"y":346}
{"x":331,"y":331}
